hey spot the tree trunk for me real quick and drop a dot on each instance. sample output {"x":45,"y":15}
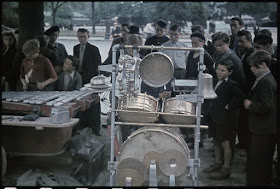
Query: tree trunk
{"x":31,"y":20}
{"x":53,"y":17}
{"x":93,"y":17}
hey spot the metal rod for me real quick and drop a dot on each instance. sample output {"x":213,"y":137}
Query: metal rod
{"x":198,"y":113}
{"x":112,"y":171}
{"x":163,"y":47}
{"x":160,"y":125}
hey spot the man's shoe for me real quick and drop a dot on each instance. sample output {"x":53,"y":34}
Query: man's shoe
{"x":224,"y":173}
{"x":213,"y":168}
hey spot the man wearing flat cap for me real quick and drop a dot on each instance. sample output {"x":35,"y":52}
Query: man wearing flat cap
{"x":58,"y":48}
{"x":158,"y":39}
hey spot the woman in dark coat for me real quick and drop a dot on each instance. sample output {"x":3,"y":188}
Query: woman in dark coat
{"x":9,"y":51}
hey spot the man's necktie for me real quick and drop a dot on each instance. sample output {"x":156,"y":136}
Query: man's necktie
{"x":81,"y":58}
{"x":66,"y":81}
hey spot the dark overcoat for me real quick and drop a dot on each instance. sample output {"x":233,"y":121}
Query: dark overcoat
{"x":91,"y":61}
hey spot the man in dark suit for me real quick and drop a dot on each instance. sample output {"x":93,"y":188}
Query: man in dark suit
{"x":262,"y":119}
{"x":90,"y":59}
{"x":88,"y":55}
{"x":70,"y":79}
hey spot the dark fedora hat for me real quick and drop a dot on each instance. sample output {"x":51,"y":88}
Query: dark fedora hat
{"x":51,"y":30}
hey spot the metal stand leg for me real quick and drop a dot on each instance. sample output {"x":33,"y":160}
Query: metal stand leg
{"x":172,"y":180}
{"x":128,"y":181}
{"x":153,"y":173}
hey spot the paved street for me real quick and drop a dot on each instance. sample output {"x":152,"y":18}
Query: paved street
{"x":61,"y":165}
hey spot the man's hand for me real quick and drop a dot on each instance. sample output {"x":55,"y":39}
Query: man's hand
{"x":226,"y":107}
{"x":165,"y":94}
{"x":24,"y":86}
{"x":247,"y":104}
{"x":40,"y":85}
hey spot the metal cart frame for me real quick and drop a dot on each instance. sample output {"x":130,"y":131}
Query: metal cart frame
{"x":198,"y":98}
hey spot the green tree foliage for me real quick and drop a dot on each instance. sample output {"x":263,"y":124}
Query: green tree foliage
{"x":57,"y":14}
{"x":176,"y":12}
{"x":256,"y":9}
{"x":198,"y":15}
{"x":140,"y":12}
{"x":133,"y":12}
{"x":10,"y":14}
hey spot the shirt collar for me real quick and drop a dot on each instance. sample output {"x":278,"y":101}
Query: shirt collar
{"x":71,"y":74}
{"x":174,"y":43}
{"x":261,"y":75}
{"x":83,"y":45}
{"x":54,"y":44}
{"x":225,"y":80}
{"x":227,"y":54}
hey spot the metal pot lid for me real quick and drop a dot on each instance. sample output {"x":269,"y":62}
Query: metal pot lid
{"x":156,"y":69}
{"x":99,"y":80}
{"x":172,"y":162}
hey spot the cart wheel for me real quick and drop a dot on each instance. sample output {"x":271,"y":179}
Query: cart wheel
{"x":4,"y":161}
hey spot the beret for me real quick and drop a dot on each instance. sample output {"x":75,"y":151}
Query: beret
{"x":51,"y":30}
{"x":161,"y":24}
{"x":199,"y":35}
{"x":133,"y":29}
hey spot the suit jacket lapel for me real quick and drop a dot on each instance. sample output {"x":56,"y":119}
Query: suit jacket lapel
{"x":61,"y":82}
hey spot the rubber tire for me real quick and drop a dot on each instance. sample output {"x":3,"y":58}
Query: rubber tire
{"x":4,"y":162}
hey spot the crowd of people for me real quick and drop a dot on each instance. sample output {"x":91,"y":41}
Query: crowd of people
{"x":244,"y":71}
